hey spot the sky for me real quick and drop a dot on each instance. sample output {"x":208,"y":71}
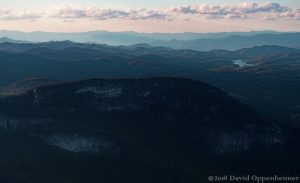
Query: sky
{"x":150,"y":15}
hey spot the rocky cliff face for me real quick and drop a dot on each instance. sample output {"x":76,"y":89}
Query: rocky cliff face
{"x":79,"y":143}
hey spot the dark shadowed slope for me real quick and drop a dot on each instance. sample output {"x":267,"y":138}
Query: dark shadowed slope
{"x":137,"y":130}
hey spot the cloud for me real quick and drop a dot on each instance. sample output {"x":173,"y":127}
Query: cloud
{"x":105,"y":14}
{"x":21,"y":14}
{"x":240,"y":11}
{"x":292,"y":14}
{"x":264,"y":11}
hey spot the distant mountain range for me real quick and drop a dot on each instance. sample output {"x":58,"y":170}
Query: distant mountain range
{"x":265,"y":50}
{"x":194,"y":41}
{"x":234,"y":42}
{"x":268,"y":84}
{"x":8,"y":40}
{"x":118,"y":38}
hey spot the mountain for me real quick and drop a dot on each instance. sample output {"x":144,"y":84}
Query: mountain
{"x":269,"y":84}
{"x":137,"y":130}
{"x":22,"y":86}
{"x":8,"y":40}
{"x":193,"y":41}
{"x":118,"y":38}
{"x":56,"y":46}
{"x":266,"y":50}
{"x":69,"y":60}
{"x":234,"y":42}
{"x":21,"y":61}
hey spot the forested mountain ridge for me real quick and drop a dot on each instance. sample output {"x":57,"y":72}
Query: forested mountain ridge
{"x":155,"y":130}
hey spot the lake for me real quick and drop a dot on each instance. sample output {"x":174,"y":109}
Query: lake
{"x":241,"y":63}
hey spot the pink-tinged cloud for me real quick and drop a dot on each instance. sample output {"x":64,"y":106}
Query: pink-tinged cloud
{"x":238,"y":11}
{"x":105,"y":14}
{"x":247,"y":10}
{"x":20,"y":14}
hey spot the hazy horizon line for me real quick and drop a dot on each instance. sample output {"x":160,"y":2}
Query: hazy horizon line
{"x":141,"y":32}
